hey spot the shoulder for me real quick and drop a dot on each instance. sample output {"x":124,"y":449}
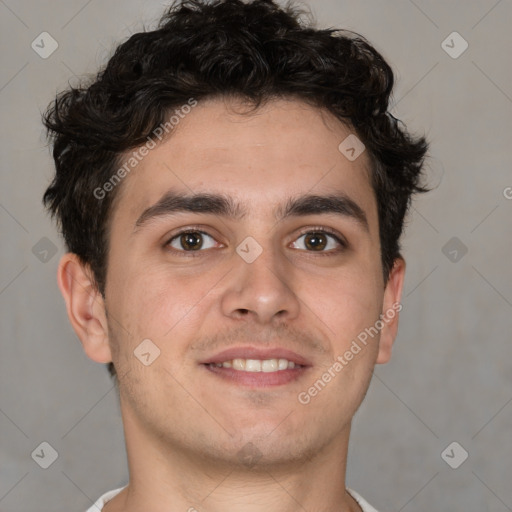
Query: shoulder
{"x":100,"y":502}
{"x":361,"y":501}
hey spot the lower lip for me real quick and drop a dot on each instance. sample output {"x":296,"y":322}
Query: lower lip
{"x":258,"y":379}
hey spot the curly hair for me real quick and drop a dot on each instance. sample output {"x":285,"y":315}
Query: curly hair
{"x":254,"y":50}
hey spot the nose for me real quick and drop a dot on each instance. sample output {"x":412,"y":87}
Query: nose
{"x":262,"y":290}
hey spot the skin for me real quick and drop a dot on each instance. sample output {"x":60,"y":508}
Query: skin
{"x":184,"y":426}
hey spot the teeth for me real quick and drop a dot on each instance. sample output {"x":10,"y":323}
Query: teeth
{"x":257,"y":365}
{"x":269,"y":365}
{"x":252,"y":365}
{"x":239,"y":364}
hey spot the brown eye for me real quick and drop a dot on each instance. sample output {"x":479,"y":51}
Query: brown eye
{"x":320,"y":241}
{"x":315,"y":241}
{"x":189,"y":241}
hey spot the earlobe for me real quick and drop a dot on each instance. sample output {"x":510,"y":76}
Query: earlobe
{"x":390,"y":310}
{"x":85,"y":307}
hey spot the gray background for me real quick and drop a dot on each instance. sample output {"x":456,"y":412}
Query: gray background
{"x":450,"y":375}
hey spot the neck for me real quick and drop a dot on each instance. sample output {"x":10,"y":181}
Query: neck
{"x":168,"y":476}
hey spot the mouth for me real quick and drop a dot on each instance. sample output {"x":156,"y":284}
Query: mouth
{"x":257,"y":365}
{"x":253,"y":367}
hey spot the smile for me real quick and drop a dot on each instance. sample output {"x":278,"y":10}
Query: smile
{"x":257,"y":365}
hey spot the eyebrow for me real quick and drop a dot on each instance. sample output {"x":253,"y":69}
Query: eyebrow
{"x":173,"y":202}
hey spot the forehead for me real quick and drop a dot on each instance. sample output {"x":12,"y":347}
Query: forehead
{"x":262,"y":158}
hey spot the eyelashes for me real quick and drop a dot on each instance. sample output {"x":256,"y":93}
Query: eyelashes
{"x":189,"y":242}
{"x":325,"y":233}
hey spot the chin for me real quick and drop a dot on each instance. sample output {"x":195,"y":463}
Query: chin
{"x":263,"y":446}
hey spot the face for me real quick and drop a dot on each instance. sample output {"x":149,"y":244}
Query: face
{"x":260,"y":297}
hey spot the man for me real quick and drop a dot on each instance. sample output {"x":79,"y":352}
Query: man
{"x":232,"y":190}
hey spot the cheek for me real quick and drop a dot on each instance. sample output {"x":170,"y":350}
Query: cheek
{"x":350,"y":306}
{"x":350,"y":298}
{"x":153,"y":306}
{"x":154,"y":302}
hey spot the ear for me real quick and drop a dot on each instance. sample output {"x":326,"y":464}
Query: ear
{"x":85,"y":307}
{"x":390,"y":310}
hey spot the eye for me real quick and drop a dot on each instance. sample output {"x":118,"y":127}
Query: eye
{"x":191,"y":240}
{"x":317,"y":240}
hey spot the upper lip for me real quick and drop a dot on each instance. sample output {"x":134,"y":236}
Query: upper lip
{"x":257,"y":353}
